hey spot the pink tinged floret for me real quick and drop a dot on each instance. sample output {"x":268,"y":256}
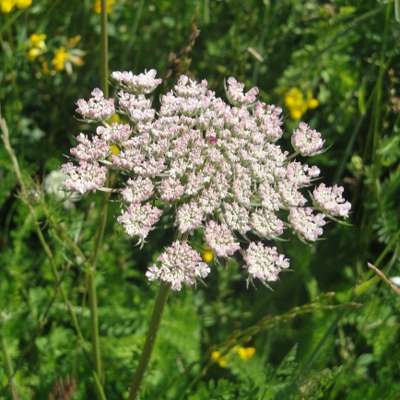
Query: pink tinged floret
{"x":209,"y":200}
{"x":220,"y":239}
{"x":137,"y":190}
{"x":189,"y":88}
{"x":138,"y":220}
{"x":306,"y":141}
{"x":115,"y":134}
{"x":90,"y":150}
{"x":179,"y":265}
{"x":235,"y":93}
{"x":269,"y":198}
{"x":86,"y":177}
{"x":264,"y":262}
{"x":189,"y":217}
{"x":139,"y":84}
{"x":290,"y":195}
{"x":236,"y":217}
{"x":330,"y":200}
{"x":300,"y":174}
{"x":266,"y":223}
{"x":97,"y":108}
{"x":306,"y":224}
{"x":170,"y":189}
{"x":194,"y":184}
{"x":269,"y":121}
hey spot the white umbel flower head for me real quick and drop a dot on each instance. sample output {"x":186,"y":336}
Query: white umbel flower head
{"x":201,"y":165}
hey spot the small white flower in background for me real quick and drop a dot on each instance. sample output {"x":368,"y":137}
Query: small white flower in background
{"x":395,"y":280}
{"x":207,"y":166}
{"x":54,"y":184}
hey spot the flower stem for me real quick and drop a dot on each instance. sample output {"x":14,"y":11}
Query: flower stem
{"x":158,"y":310}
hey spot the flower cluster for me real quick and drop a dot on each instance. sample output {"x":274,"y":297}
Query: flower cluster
{"x":207,"y":166}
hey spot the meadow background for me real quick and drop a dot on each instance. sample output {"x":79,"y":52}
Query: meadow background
{"x":330,"y":329}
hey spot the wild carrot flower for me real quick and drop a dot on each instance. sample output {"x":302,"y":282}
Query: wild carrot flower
{"x":206,"y":166}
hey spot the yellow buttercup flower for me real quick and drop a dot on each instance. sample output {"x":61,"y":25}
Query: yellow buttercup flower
{"x":97,"y":6}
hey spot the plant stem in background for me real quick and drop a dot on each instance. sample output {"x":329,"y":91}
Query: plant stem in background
{"x":94,"y":323}
{"x":104,"y":49}
{"x":9,"y":368}
{"x":158,"y":310}
{"x":24,"y":193}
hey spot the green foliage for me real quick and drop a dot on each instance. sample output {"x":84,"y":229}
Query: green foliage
{"x":346,"y":54}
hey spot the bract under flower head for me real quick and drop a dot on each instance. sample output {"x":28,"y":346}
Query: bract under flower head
{"x":205,"y":166}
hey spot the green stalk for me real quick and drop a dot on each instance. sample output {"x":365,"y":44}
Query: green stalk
{"x":94,"y":322}
{"x":104,"y":49}
{"x":158,"y":310}
{"x":9,"y":368}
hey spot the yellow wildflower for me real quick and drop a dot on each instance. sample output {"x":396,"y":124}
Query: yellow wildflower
{"x":6,"y":6}
{"x":59,"y":59}
{"x":222,"y":361}
{"x":23,"y":3}
{"x":297,"y":104}
{"x":67,"y":55}
{"x":37,"y":40}
{"x":207,"y":255}
{"x":311,"y":102}
{"x":45,"y":67}
{"x":97,"y":6}
{"x":37,"y":45}
{"x":114,"y":118}
{"x":245,"y":353}
{"x":115,"y":149}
